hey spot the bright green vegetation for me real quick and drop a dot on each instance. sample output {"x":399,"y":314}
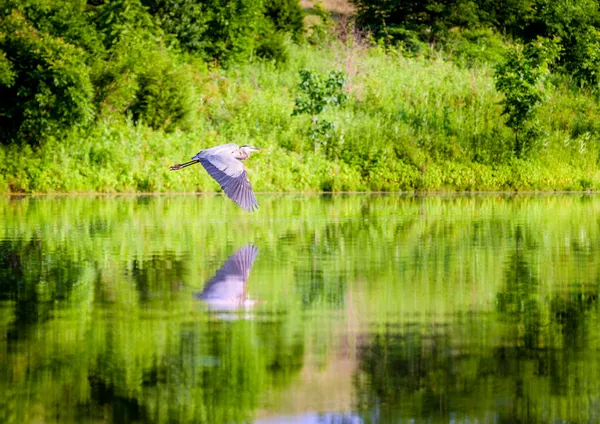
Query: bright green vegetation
{"x":520,"y":79}
{"x":471,"y":29}
{"x":444,"y":307}
{"x":317,"y":93}
{"x":410,"y":124}
{"x":102,"y":96}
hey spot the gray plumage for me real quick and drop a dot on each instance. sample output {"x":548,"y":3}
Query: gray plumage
{"x":227,"y":289}
{"x":223,"y":163}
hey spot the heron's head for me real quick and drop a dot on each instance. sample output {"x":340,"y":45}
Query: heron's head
{"x":246,"y":148}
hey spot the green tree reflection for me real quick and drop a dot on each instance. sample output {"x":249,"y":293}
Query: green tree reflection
{"x":466,"y":308}
{"x":530,"y":360}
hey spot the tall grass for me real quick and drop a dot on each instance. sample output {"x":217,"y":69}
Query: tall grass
{"x":411,"y":124}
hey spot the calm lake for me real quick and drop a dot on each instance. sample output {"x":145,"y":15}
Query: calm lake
{"x":315,"y":309}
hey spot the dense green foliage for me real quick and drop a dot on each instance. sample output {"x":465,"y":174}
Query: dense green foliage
{"x":432,"y":19}
{"x":412,"y":23}
{"x":520,"y":77}
{"x":422,"y":308}
{"x":104,"y":95}
{"x":46,"y":87}
{"x":408,"y":124}
{"x":64,"y":63}
{"x":285,"y":16}
{"x":316,"y":93}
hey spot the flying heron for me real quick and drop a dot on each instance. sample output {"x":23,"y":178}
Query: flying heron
{"x":223,"y":163}
{"x":226,"y":290}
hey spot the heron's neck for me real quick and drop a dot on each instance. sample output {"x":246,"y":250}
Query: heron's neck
{"x":242,"y":155}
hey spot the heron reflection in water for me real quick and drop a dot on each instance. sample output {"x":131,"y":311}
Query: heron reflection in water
{"x":226,"y":291}
{"x":223,"y":163}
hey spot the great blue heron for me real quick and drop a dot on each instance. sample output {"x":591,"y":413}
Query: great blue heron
{"x":223,"y":163}
{"x":227,"y":289}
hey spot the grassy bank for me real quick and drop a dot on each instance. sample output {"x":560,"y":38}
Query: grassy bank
{"x":410,"y":124}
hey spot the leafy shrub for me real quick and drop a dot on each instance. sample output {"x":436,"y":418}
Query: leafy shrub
{"x":118,"y":19}
{"x":475,"y":46}
{"x":273,"y":47}
{"x":428,"y":19}
{"x":468,"y":27}
{"x":116,"y":82}
{"x":228,"y":30}
{"x":584,"y":61}
{"x":576,"y":24}
{"x":165,"y":97}
{"x":141,"y":77}
{"x":144,"y":79}
{"x":46,"y":87}
{"x":316,"y":93}
{"x":519,"y":77}
{"x":232,"y":26}
{"x":407,"y":40}
{"x":185,"y":19}
{"x":66,"y":19}
{"x":286,"y":16}
{"x":431,"y":20}
{"x":7,"y":74}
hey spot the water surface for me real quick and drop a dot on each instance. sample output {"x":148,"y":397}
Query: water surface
{"x":315,"y":309}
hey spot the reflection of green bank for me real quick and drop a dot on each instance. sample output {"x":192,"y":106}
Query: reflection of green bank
{"x":390,"y":307}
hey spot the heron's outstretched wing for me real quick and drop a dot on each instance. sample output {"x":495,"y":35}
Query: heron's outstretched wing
{"x":230,"y":173}
{"x":229,"y":282}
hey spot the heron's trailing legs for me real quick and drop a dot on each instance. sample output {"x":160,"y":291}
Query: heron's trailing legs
{"x":182,"y":165}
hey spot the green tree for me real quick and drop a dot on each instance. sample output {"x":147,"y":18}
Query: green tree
{"x":142,"y":77}
{"x":520,"y":78}
{"x":233,"y":26}
{"x":165,"y":96}
{"x":577,"y":24}
{"x":119,"y":19}
{"x":429,"y":20}
{"x":187,"y":20}
{"x":316,"y":93}
{"x":286,"y":16}
{"x":45,"y":87}
{"x":227,"y":30}
{"x":67,"y":19}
